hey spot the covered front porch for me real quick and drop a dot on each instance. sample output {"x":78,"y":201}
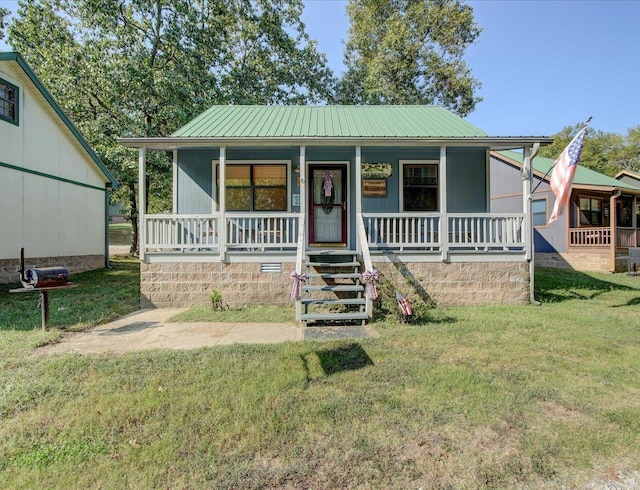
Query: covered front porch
{"x":451,"y":255}
{"x":264,"y":194}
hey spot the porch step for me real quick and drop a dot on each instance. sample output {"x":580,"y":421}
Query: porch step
{"x":331,"y":264}
{"x":327,"y":275}
{"x":330,"y":302}
{"x":333,"y":282}
{"x":329,"y":317}
{"x":338,"y":288}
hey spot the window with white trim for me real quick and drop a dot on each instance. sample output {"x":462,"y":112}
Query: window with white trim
{"x":255,"y":187}
{"x":420,"y":186}
{"x":539,"y":212}
{"x":8,"y":102}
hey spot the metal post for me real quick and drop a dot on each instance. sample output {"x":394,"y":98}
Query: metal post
{"x":44,"y":309}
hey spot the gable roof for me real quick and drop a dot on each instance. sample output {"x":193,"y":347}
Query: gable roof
{"x":354,"y":125}
{"x":18,"y":62}
{"x":583,"y":177}
{"x":328,"y":122}
{"x":627,"y":173}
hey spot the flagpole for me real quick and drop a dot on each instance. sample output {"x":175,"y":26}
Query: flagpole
{"x":556,"y":161}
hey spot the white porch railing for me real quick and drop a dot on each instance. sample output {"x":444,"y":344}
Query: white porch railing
{"x":396,"y":231}
{"x":486,"y":230}
{"x":590,"y":237}
{"x":363,"y":246}
{"x":466,"y":231}
{"x":280,"y":231}
{"x":266,"y":231}
{"x":180,"y":232}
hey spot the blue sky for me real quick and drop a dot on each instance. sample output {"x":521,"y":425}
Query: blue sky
{"x":543,"y":64}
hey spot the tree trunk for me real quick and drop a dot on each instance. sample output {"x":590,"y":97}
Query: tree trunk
{"x":134,"y":219}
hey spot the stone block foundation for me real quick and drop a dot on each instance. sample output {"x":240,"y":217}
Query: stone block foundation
{"x":79,"y":263}
{"x":596,"y":260}
{"x":469,"y":283}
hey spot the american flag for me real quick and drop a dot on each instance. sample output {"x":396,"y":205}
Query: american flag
{"x":563,"y":170}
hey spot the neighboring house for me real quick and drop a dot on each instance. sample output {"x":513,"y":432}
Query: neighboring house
{"x":600,"y":223}
{"x":258,"y":192}
{"x":628,"y":177}
{"x":117,"y":213}
{"x":53,"y":187}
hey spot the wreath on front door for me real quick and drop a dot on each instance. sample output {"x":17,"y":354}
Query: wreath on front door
{"x":328,"y":194}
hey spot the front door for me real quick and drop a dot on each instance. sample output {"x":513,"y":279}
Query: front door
{"x":328,"y":204}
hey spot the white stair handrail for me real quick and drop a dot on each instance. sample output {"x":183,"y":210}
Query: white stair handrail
{"x":363,"y":243}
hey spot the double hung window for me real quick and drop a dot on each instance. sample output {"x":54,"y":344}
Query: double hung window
{"x":8,"y":102}
{"x":420,"y":187}
{"x":255,"y":187}
{"x":539,"y":208}
{"x":591,"y":212}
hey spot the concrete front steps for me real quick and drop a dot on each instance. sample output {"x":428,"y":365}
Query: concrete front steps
{"x":333,"y":293}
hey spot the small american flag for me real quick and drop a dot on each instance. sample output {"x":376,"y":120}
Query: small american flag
{"x":564,"y":169}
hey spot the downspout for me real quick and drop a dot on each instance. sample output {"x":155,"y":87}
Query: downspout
{"x":107,"y":192}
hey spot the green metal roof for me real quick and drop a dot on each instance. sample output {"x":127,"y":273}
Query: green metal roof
{"x":583,"y":175}
{"x":15,"y":57}
{"x":328,"y":122}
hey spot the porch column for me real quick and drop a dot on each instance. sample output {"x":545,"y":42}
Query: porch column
{"x":444,"y":217}
{"x":142,"y":199}
{"x":303,"y":181}
{"x":527,"y":204}
{"x":222,"y":205}
{"x":613,"y":225}
{"x":174,"y":183}
{"x":634,"y":221}
{"x":358,"y":191}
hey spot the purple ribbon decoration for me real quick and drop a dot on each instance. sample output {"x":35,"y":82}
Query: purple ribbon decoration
{"x":297,"y":280}
{"x":327,"y":183}
{"x":370,"y":278}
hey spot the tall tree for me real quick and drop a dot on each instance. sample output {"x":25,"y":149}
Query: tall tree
{"x":146,"y":67}
{"x":607,"y":153}
{"x":409,"y":52}
{"x":630,"y":157}
{"x":3,"y":13}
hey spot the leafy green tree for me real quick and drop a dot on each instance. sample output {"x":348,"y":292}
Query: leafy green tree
{"x":607,"y":153}
{"x":146,"y":67}
{"x":3,"y":14}
{"x":630,"y":156}
{"x":409,"y":52}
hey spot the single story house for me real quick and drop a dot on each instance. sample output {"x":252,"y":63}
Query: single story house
{"x":53,"y":188}
{"x":600,"y":223}
{"x":266,"y":197}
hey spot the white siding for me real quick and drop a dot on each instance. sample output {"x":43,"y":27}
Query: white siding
{"x":47,"y":217}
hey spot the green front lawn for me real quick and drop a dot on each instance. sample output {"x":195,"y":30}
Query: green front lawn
{"x":491,"y":397}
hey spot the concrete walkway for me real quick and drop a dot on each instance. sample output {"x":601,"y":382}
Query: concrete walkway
{"x":150,"y":329}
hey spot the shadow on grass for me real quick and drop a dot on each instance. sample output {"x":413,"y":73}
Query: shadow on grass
{"x":343,"y":358}
{"x":631,"y":302}
{"x":556,"y":285}
{"x":348,"y":357}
